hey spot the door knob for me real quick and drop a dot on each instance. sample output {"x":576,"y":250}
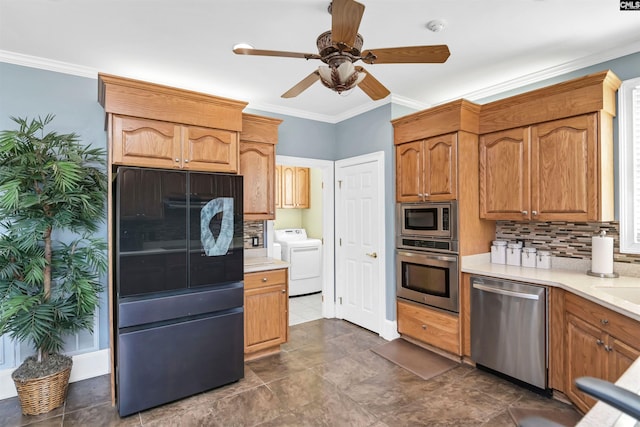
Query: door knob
{"x":373,"y":255}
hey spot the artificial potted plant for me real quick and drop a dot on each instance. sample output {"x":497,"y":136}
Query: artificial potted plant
{"x":52,"y":201}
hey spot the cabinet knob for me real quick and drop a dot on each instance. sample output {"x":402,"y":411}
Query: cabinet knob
{"x":604,"y":321}
{"x":608,"y":348}
{"x":177,"y":160}
{"x":426,"y":195}
{"x":599,"y":342}
{"x":264,"y":279}
{"x":525,"y":213}
{"x":424,"y":327}
{"x":186,"y":160}
{"x":284,"y":291}
{"x":534,"y":213}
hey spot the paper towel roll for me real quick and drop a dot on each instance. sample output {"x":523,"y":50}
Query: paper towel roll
{"x":602,"y":255}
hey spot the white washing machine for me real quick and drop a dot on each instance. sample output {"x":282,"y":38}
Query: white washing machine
{"x":304,"y":256}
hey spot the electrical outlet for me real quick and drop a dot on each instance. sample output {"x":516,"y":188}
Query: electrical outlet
{"x":255,"y":241}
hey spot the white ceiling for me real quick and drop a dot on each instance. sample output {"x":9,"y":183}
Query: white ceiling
{"x":494,"y":44}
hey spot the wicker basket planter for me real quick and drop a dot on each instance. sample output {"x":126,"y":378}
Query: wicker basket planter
{"x":41,"y":395}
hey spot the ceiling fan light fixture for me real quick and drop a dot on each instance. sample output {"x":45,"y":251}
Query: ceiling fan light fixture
{"x":242,"y":46}
{"x":340,"y":78}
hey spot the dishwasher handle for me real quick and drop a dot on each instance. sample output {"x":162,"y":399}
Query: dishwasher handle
{"x":506,"y":292}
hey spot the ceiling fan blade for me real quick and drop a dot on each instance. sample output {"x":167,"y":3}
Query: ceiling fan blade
{"x":371,"y":86}
{"x":302,"y":85}
{"x":345,"y":21}
{"x":410,"y":54}
{"x":260,"y":52}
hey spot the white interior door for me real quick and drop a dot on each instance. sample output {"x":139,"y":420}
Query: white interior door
{"x":360,"y":240}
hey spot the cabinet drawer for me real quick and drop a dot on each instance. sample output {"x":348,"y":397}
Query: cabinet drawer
{"x":429,"y":326}
{"x":264,"y":278}
{"x":609,"y":321}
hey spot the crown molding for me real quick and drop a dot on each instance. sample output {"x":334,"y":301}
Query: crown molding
{"x":47,"y":64}
{"x":549,"y":73}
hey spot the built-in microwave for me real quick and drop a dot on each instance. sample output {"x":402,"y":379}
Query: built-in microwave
{"x":437,"y":220}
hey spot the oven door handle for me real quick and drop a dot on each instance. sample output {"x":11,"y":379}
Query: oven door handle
{"x":504,"y":291}
{"x":427,"y":256}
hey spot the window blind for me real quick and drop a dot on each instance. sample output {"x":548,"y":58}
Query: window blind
{"x":635,"y":150}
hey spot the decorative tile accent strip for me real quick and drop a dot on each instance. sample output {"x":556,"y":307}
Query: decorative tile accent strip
{"x":251,"y":229}
{"x":564,"y":239}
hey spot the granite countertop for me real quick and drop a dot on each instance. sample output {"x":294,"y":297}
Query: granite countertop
{"x":621,"y":294}
{"x":257,"y":260}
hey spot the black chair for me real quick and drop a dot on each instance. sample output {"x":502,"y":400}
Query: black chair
{"x":609,"y":393}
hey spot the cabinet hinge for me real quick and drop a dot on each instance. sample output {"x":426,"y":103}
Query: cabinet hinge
{"x":339,"y":183}
{"x":340,"y":239}
{"x":340,"y":299}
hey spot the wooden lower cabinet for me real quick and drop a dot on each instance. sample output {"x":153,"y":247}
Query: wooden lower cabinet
{"x":430,"y":326}
{"x":598,"y":343}
{"x":266,"y":312}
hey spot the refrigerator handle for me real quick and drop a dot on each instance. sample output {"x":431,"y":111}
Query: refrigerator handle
{"x":506,"y":292}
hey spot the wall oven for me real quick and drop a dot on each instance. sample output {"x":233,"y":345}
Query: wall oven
{"x":428,"y":278}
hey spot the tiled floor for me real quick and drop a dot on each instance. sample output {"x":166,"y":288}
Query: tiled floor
{"x":325,"y":376}
{"x":305,"y":308}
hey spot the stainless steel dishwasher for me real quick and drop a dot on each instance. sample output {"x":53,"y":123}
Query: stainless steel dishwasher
{"x":509,"y":329}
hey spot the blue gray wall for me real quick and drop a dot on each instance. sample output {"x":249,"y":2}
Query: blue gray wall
{"x":29,"y":92}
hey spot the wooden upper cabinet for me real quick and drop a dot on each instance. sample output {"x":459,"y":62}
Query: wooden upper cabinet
{"x":570,"y":152}
{"x":409,"y":167}
{"x":151,"y":125}
{"x":294,"y":187}
{"x":257,"y":165}
{"x":564,"y":171}
{"x":213,"y":150}
{"x":144,"y":142}
{"x":258,"y":141}
{"x":441,"y":168}
{"x":545,"y":172}
{"x":504,"y":174}
{"x":153,"y":143}
{"x":427,"y":170}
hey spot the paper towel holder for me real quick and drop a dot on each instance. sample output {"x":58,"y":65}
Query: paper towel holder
{"x":612,"y":275}
{"x":603,"y":275}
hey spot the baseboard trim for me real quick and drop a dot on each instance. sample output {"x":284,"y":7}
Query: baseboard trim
{"x":86,"y":365}
{"x":390,"y":330}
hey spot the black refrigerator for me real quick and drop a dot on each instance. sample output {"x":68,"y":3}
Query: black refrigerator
{"x":178,"y":285}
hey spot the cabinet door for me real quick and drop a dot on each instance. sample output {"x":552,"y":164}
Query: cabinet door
{"x":585,"y":356}
{"x":409,"y":172}
{"x":302,"y":183}
{"x":287,"y":195}
{"x":564,"y":181}
{"x":266,"y":317}
{"x":278,"y":185}
{"x":504,"y":175}
{"x":622,"y":355}
{"x":210,"y":150}
{"x":143,"y":142}
{"x":257,"y":164}
{"x":440,"y":167}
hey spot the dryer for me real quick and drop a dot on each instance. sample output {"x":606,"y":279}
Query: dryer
{"x":304,"y":256}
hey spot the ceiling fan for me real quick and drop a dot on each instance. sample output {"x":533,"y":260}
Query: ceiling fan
{"x":341,"y":47}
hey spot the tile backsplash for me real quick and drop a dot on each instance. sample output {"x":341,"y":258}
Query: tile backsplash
{"x":251,"y":229}
{"x":564,"y":239}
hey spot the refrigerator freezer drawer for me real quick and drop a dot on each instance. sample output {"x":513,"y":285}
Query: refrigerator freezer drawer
{"x":137,"y":311}
{"x":165,"y":363}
